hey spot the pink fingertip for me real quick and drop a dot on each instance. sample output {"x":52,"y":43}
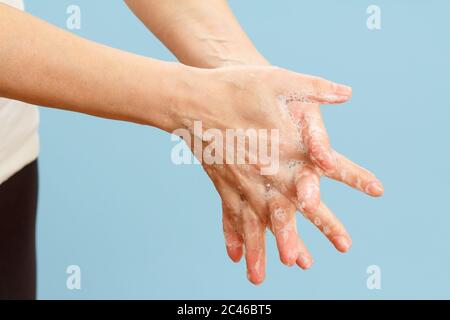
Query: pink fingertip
{"x":255,"y":279}
{"x":304,"y":261}
{"x":342,"y":243}
{"x":343,"y":90}
{"x":375,"y":189}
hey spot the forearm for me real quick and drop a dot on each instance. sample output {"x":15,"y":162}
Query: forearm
{"x":200,"y":33}
{"x":44,"y":65}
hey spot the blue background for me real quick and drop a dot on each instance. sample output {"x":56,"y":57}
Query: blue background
{"x":112,"y":202}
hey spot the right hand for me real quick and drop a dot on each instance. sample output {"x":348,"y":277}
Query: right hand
{"x":247,"y":97}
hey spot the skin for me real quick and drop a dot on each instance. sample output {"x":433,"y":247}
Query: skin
{"x":60,"y":70}
{"x":248,"y":207}
{"x":203,"y":34}
{"x":206,"y":34}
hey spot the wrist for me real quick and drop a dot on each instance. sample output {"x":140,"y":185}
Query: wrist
{"x":254,"y":59}
{"x":235,"y":54}
{"x":176,"y":90}
{"x":196,"y":95}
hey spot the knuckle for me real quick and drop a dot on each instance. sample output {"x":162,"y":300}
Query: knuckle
{"x":317,"y":85}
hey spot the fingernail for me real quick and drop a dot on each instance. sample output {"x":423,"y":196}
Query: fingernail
{"x":343,"y":90}
{"x":375,"y":188}
{"x":291,"y":257}
{"x":304,"y":261}
{"x":342,"y":243}
{"x":257,"y":280}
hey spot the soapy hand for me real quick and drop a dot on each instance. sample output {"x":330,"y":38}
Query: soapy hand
{"x":281,"y":109}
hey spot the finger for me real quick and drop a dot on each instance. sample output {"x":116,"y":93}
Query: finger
{"x":317,"y":141}
{"x":233,"y":239}
{"x":331,"y":227}
{"x":304,"y":259}
{"x":231,"y":211}
{"x":313,"y":89}
{"x":307,"y":184}
{"x":283,"y":225}
{"x":356,"y":177}
{"x":255,"y":251}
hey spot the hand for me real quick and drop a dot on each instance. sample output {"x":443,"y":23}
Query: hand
{"x":272,"y":98}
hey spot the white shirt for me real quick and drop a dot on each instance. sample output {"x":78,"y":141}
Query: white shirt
{"x":19,"y":122}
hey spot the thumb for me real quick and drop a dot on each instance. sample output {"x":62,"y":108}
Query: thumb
{"x":311,"y":89}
